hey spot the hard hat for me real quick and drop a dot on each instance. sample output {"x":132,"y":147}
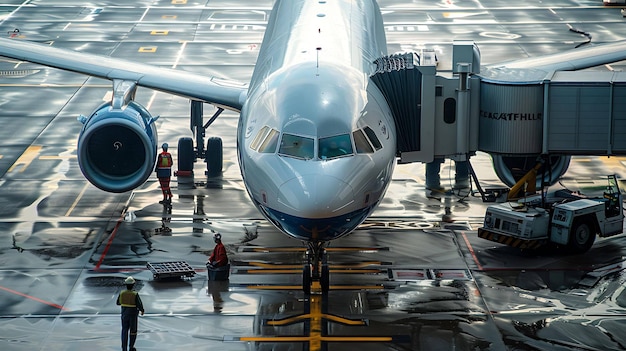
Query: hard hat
{"x":129,"y":280}
{"x":165,"y":146}
{"x":217,"y":236}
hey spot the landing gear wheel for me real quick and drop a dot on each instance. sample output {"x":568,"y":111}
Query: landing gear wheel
{"x":186,"y":155}
{"x":214,"y":156}
{"x":581,"y":237}
{"x":325,"y":278}
{"x":306,"y":279}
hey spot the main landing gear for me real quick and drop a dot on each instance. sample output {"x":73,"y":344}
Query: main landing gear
{"x":188,"y":154}
{"x":315,"y":273}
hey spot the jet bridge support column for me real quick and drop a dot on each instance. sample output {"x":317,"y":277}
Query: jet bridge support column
{"x":452,"y":129}
{"x":462,"y":112}
{"x":454,"y":132}
{"x":461,"y":178}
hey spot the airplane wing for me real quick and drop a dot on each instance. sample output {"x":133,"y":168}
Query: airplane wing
{"x":227,"y":94}
{"x":572,"y":60}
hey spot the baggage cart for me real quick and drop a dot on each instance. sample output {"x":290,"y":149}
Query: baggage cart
{"x":169,"y":270}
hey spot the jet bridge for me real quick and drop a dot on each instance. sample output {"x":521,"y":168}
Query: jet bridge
{"x":566,"y":112}
{"x":514,"y":114}
{"x":427,"y":106}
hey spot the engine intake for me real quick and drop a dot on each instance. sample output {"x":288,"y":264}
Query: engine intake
{"x":511,"y":168}
{"x":117,"y":147}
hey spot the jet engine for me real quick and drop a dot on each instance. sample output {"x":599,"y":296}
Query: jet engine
{"x":511,"y":121}
{"x":117,"y":147}
{"x":511,"y":168}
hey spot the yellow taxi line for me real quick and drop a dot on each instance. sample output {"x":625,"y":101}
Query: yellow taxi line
{"x":29,"y":155}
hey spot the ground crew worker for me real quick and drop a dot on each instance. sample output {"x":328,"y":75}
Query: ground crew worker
{"x":131,"y":307}
{"x":218,"y":257}
{"x":164,"y":173}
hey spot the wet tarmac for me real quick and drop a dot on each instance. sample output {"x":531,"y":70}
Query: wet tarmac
{"x":413,"y":277}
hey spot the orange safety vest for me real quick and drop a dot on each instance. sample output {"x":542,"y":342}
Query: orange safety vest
{"x":128,"y":298}
{"x":165,"y":160}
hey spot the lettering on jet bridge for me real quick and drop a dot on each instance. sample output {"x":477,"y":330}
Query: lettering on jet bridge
{"x":511,"y":116}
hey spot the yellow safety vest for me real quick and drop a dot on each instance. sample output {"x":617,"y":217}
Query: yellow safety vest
{"x":128,"y":298}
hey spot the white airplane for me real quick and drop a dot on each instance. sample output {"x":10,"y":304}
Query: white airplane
{"x":316,"y":138}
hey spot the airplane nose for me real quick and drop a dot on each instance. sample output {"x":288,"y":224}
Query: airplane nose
{"x":316,"y":196}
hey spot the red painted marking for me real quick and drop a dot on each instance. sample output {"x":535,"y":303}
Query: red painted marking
{"x":471,"y":250}
{"x":34,"y":298}
{"x":106,"y":249}
{"x":404,"y":274}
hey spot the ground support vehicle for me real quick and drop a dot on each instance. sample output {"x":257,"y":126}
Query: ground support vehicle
{"x":568,"y":219}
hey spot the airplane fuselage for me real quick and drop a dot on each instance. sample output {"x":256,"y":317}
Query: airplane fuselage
{"x":316,"y":139}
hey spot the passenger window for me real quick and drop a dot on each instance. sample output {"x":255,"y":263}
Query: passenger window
{"x":372,"y":137}
{"x":270,"y":142}
{"x":296,"y":146}
{"x":335,"y":146}
{"x":360,"y":141}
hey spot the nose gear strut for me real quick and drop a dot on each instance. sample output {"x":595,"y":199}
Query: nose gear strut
{"x":316,"y":274}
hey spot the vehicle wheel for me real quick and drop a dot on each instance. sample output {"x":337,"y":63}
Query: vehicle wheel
{"x":214,"y":156}
{"x":185,"y":154}
{"x":581,"y":236}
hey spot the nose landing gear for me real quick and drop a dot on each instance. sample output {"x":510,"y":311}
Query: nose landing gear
{"x":315,"y":273}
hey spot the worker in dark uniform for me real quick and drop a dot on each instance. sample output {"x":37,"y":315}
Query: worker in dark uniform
{"x":131,"y":307}
{"x":164,"y":173}
{"x":461,"y":178}
{"x":218,"y":257}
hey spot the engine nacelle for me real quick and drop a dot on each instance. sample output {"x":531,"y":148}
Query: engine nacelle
{"x":511,"y":168}
{"x":117,"y":147}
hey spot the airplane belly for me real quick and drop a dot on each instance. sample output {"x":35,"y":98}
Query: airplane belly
{"x":316,"y":205}
{"x":316,"y":229}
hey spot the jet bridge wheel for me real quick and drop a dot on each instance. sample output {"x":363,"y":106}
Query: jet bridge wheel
{"x":581,"y":236}
{"x":214,"y":156}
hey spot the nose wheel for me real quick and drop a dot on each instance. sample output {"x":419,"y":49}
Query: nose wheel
{"x":316,"y":273}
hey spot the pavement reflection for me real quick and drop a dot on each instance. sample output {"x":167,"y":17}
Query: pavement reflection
{"x":415,"y":272}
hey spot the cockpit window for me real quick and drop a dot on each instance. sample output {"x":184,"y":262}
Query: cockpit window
{"x":267,"y":139}
{"x":372,"y":137}
{"x":360,"y":141}
{"x":259,"y":137}
{"x":296,"y":146}
{"x":270,"y":142}
{"x":335,"y":146}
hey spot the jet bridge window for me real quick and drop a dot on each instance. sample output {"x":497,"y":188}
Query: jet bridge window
{"x":335,"y":146}
{"x":265,"y":141}
{"x":297,"y":146}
